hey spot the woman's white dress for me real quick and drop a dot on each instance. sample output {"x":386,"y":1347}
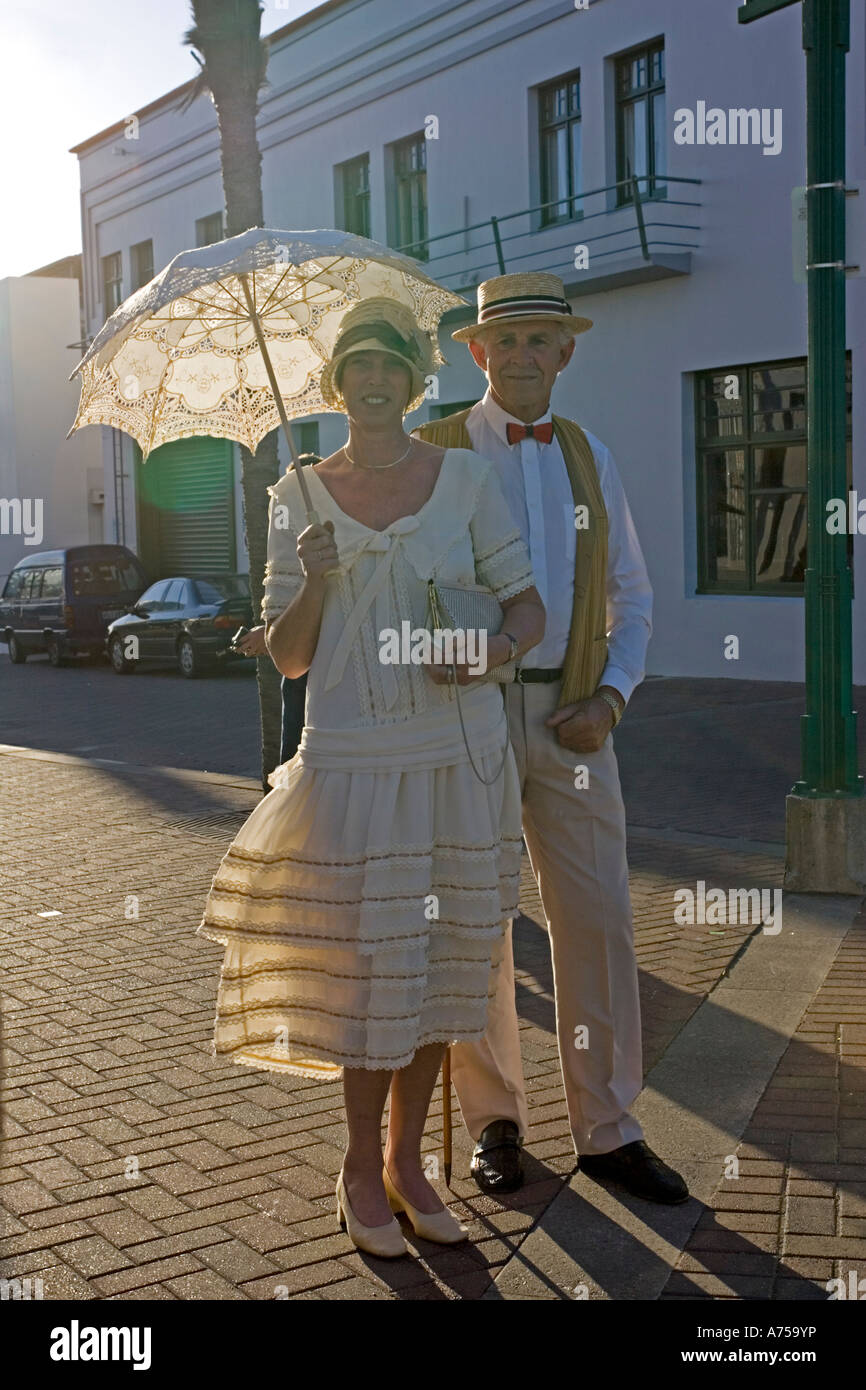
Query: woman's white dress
{"x":363,"y":903}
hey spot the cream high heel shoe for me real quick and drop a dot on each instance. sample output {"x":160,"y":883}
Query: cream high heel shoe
{"x":440,"y":1226}
{"x":386,"y":1241}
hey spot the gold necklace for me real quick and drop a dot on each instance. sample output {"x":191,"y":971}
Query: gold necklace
{"x":378,"y":467}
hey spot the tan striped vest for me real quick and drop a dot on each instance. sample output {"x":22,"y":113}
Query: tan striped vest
{"x":586,"y":652}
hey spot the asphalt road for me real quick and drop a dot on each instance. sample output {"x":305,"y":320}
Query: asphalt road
{"x":716,"y":757}
{"x":153,"y":717}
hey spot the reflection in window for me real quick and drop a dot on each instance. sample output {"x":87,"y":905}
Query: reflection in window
{"x":52,"y":582}
{"x":409,"y":196}
{"x":752,"y":477}
{"x":640,"y":120}
{"x":101,"y":577}
{"x":561,"y":152}
{"x":221,"y":586}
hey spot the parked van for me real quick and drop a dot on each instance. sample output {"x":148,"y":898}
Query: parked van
{"x":61,"y":601}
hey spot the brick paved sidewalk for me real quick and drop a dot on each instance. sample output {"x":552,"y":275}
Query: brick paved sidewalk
{"x":137,"y":1166}
{"x":794,"y":1217}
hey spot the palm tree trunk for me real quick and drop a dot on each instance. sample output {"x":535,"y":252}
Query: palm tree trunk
{"x":227,"y":33}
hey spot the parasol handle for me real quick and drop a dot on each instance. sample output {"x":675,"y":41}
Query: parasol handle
{"x":446,"y":1114}
{"x":312,"y":514}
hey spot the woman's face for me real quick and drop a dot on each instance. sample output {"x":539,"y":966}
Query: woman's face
{"x":375,"y":386}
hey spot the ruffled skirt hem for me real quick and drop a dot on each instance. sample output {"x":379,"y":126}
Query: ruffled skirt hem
{"x":363,"y":913}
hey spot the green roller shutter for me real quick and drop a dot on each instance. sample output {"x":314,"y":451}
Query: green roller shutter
{"x":186,"y":508}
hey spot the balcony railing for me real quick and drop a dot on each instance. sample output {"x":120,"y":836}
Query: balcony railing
{"x":638,"y":226}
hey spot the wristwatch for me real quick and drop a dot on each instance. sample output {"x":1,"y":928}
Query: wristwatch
{"x":514,"y":645}
{"x":614,"y":704}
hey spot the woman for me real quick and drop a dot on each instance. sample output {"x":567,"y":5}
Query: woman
{"x":363,"y":903}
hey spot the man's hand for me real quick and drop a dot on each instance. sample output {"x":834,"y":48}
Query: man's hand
{"x":582,"y":727}
{"x":253,"y":644}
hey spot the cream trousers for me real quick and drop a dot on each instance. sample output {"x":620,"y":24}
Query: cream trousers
{"x":577,"y":848}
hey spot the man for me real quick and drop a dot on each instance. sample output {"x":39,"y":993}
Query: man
{"x":570,"y":692}
{"x":293,"y":691}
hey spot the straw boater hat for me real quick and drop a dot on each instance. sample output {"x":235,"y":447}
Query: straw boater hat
{"x":527,"y":295}
{"x":380,"y":325}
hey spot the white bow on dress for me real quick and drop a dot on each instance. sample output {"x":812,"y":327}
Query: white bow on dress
{"x":377,"y":591}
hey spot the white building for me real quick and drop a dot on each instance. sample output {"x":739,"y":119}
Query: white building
{"x":418,"y":124}
{"x":51,"y":487}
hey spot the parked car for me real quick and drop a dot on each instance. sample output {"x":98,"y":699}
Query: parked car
{"x":61,"y":601}
{"x":187,"y":620}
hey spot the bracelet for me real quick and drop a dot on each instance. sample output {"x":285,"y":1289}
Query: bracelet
{"x":515,"y":645}
{"x":614,"y":704}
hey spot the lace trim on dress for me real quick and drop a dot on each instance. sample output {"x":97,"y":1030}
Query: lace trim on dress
{"x":216,"y":927}
{"x":518,"y":587}
{"x":273,"y":1062}
{"x":269,"y":971}
{"x":506,"y":566}
{"x":401,"y":856}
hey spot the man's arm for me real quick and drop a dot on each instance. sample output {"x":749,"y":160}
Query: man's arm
{"x":584,"y":726}
{"x":629,"y":592}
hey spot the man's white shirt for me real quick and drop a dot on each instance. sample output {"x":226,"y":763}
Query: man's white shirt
{"x":535,"y":481}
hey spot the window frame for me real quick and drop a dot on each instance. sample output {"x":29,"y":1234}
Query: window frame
{"x":548,"y":217}
{"x":36,"y":574}
{"x":170,"y":604}
{"x":304,"y":429}
{"x":201,"y":230}
{"x":137,"y":256}
{"x":112,"y":298}
{"x":650,"y":187}
{"x":350,"y":200}
{"x":14,"y":583}
{"x":50,"y":569}
{"x":749,"y":442}
{"x":408,"y":244}
{"x":442,"y":409}
{"x":153,"y":605}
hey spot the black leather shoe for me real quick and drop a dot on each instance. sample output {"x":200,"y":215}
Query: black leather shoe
{"x":640,"y":1171}
{"x":497,"y":1161}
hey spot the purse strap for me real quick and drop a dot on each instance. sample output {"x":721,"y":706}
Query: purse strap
{"x":488,"y":781}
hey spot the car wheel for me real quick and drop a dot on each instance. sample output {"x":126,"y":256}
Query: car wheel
{"x":120,"y":662}
{"x":189,"y":662}
{"x":17,"y":654}
{"x":56,"y":654}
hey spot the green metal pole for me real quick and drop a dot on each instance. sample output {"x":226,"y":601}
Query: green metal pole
{"x":829,"y":740}
{"x":638,"y":212}
{"x":494,"y":222}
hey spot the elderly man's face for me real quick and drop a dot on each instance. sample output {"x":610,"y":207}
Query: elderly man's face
{"x":522,"y":360}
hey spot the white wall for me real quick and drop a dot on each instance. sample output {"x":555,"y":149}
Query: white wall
{"x":38,"y":317}
{"x":370,"y":71}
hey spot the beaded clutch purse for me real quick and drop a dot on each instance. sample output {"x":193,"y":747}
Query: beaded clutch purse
{"x":469,"y":606}
{"x":460,"y":607}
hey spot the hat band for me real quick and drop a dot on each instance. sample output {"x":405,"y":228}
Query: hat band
{"x":390,"y":339}
{"x":535,"y":305}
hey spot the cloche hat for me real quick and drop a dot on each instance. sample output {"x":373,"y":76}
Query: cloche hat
{"x":380,"y":325}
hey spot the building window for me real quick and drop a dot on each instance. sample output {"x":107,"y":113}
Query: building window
{"x":559,"y":132}
{"x":440,"y":412}
{"x":409,"y":196}
{"x":353,"y":195}
{"x":640,"y":120}
{"x":209,"y":229}
{"x":141,"y":263}
{"x":751,"y":483}
{"x":307,"y":436}
{"x":112,"y":282}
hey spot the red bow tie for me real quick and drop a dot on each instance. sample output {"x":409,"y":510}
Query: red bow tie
{"x":543,"y":433}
